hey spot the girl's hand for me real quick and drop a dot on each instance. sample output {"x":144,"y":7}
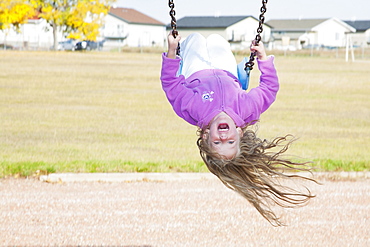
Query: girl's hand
{"x":172,"y":45}
{"x":259,"y":49}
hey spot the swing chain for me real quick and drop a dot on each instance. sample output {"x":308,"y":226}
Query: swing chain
{"x":173,"y":18}
{"x":173,"y":22}
{"x":249,"y":65}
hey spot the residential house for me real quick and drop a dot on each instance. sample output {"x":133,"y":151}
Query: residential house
{"x":123,"y":27}
{"x":362,"y":35}
{"x":128,"y":27}
{"x":305,"y":33}
{"x":238,"y":30}
{"x":35,"y":34}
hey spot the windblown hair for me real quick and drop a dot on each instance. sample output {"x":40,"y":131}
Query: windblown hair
{"x":256,"y":173}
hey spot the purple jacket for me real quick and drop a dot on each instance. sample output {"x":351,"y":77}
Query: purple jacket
{"x":199,"y":98}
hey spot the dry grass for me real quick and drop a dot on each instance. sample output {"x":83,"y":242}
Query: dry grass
{"x":324,"y":102}
{"x":106,"y":112}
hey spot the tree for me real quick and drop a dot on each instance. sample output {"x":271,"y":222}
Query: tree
{"x":80,"y":18}
{"x":13,"y":13}
{"x":87,"y":18}
{"x":55,"y":12}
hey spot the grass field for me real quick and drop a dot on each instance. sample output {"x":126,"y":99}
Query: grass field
{"x":106,"y":112}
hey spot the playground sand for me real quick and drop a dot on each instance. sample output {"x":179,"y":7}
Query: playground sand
{"x":200,"y":212}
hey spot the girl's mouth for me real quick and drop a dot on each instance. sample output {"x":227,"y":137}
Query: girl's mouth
{"x":223,"y":127}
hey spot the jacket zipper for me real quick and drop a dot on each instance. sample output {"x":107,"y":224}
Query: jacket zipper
{"x":221,"y":91}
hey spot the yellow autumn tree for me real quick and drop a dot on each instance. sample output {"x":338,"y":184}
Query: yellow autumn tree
{"x":87,"y":18}
{"x":13,"y":13}
{"x":56,"y":13}
{"x":76,"y":18}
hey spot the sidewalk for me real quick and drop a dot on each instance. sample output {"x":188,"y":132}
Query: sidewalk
{"x":198,"y":211}
{"x":124,"y":177}
{"x":132,"y":177}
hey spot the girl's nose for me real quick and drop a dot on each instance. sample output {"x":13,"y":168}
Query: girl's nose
{"x":223,"y":136}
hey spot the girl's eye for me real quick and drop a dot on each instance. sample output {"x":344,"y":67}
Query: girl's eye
{"x":216,"y":142}
{"x":231,"y":142}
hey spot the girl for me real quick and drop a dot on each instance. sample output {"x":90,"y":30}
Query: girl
{"x":203,"y":88}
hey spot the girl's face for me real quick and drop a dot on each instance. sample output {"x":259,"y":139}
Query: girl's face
{"x":224,"y":136}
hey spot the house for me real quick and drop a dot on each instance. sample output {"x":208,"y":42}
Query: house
{"x":123,"y":27}
{"x":305,"y":33}
{"x":362,"y":36}
{"x":238,"y":30}
{"x":128,"y":27}
{"x":35,"y":34}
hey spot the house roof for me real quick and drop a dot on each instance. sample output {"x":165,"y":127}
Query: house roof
{"x":295,"y":24}
{"x":133,"y":16}
{"x":360,"y":26}
{"x":210,"y":21}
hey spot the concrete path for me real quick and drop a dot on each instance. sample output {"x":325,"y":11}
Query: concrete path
{"x":156,"y":210}
{"x":126,"y":177}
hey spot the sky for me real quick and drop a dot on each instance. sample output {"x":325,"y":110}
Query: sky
{"x":276,"y":9}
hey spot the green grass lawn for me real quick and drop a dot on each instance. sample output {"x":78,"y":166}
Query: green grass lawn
{"x":106,"y":112}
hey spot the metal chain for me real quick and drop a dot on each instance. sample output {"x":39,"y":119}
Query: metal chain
{"x":173,"y":23}
{"x":249,"y":65}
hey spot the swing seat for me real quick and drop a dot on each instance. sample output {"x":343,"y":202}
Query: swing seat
{"x":243,"y":75}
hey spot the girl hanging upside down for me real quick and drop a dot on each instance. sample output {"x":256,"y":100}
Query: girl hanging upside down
{"x":203,"y":88}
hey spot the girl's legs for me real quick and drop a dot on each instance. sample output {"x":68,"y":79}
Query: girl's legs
{"x":199,"y":53}
{"x":194,"y":54}
{"x":220,"y":54}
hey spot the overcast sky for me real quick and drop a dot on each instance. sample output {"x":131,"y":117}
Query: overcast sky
{"x":276,"y":9}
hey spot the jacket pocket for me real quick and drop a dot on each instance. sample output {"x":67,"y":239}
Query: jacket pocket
{"x":193,"y":83}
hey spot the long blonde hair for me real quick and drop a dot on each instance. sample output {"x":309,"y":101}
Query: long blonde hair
{"x":256,"y":173}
